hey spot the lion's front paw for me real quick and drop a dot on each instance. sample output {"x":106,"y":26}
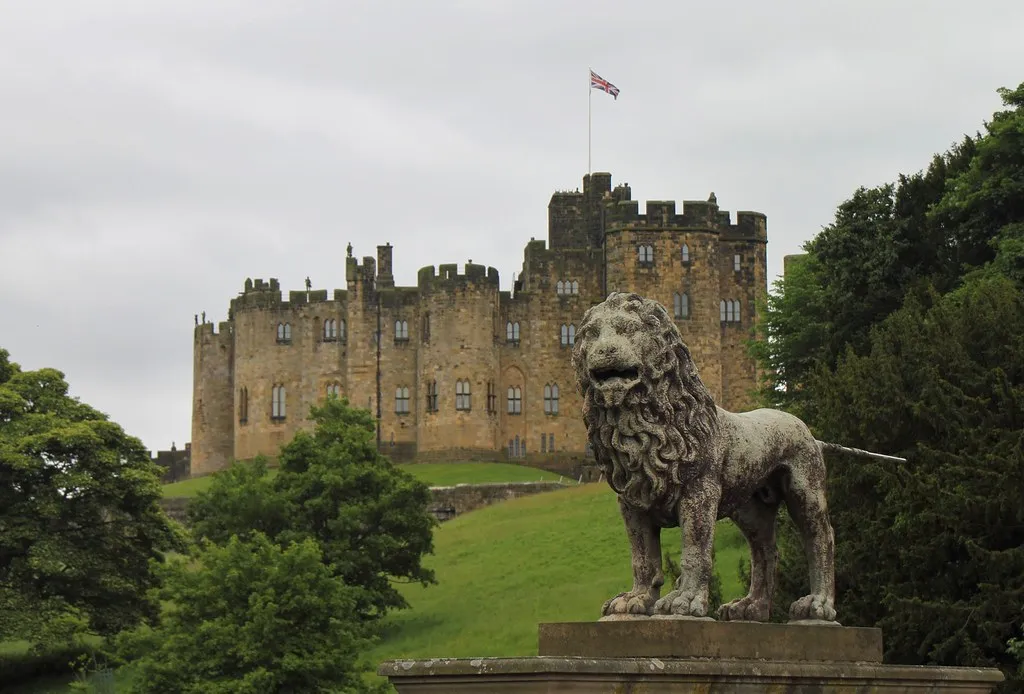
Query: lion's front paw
{"x":629,"y":603}
{"x":745,"y":609}
{"x":813,"y":607}
{"x":686,"y":603}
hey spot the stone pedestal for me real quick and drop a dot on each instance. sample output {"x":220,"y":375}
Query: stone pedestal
{"x":688,"y":656}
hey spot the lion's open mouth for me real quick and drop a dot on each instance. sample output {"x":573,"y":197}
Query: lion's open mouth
{"x":612,"y":376}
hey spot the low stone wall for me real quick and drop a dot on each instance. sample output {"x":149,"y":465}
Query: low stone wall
{"x":446,"y":502}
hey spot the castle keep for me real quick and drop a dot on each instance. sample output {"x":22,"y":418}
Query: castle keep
{"x":468,"y":371}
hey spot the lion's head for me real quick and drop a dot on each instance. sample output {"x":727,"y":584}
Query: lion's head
{"x":649,"y":417}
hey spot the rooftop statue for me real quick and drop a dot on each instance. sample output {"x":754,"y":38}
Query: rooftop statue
{"x":675,"y":459}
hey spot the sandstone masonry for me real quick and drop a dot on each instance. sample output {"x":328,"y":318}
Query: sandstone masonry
{"x":468,"y":371}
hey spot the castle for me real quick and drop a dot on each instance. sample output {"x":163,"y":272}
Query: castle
{"x":464,"y":370}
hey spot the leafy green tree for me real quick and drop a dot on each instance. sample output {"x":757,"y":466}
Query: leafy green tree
{"x":250,"y":617}
{"x":932,"y":550}
{"x":79,"y":519}
{"x":369,"y":518}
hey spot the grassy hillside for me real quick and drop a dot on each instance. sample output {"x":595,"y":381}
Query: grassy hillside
{"x":547,"y":558}
{"x":436,"y":474}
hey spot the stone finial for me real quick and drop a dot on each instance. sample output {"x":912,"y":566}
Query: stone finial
{"x":349,"y":249}
{"x":687,"y":469}
{"x":712,"y":199}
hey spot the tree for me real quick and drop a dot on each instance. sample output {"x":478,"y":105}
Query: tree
{"x":79,"y":519}
{"x":932,"y":550}
{"x":250,"y":617}
{"x":368,"y":517}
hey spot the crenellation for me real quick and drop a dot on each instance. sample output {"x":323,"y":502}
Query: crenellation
{"x":455,"y":353}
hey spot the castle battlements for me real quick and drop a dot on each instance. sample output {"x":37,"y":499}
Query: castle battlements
{"x":696,"y":214}
{"x":447,"y":278}
{"x":259,"y":295}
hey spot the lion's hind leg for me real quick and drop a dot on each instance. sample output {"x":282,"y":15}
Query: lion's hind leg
{"x":804,"y":494}
{"x":756,"y":520}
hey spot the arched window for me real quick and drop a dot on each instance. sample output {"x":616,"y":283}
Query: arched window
{"x":721,"y":311}
{"x":730,"y":311}
{"x":645,"y":254}
{"x":551,"y":398}
{"x":575,"y":287}
{"x":515,"y":400}
{"x":341,"y":329}
{"x":334,"y":389}
{"x":737,"y":261}
{"x":512,"y":331}
{"x":560,"y":287}
{"x":572,"y":334}
{"x":243,"y":405}
{"x":284,"y":332}
{"x":686,"y":253}
{"x":462,"y":395}
{"x":681,"y":305}
{"x":551,"y":443}
{"x":402,"y":400}
{"x":331,"y":329}
{"x":278,"y":399}
{"x":565,"y":334}
{"x":492,"y":397}
{"x":401,"y":330}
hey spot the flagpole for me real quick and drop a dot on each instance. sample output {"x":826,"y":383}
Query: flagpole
{"x":590,"y":101}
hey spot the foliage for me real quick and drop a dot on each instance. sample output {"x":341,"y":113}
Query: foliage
{"x":250,"y":618}
{"x":902,"y":331}
{"x":79,"y":520}
{"x":368,"y":517}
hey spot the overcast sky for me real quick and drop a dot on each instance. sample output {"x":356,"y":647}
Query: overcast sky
{"x":154,"y":154}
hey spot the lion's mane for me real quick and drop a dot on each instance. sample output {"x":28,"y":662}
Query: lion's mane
{"x":664,"y":431}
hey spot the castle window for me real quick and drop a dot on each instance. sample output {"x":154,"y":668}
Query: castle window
{"x":432,"y":396}
{"x":543,"y":443}
{"x":331,"y":329}
{"x":334,"y":389}
{"x":681,"y":305}
{"x":284,"y":332}
{"x":402,"y":400}
{"x":645,"y":254}
{"x":512,"y":332}
{"x":551,"y":443}
{"x":560,"y":287}
{"x":516,"y":449}
{"x":341,"y":329}
{"x":492,"y":398}
{"x":462,"y":395}
{"x":515,"y":400}
{"x":551,"y":398}
{"x":736,"y":260}
{"x":729,"y":311}
{"x":426,"y":327}
{"x":568,"y":335}
{"x":575,"y":287}
{"x":401,"y":330}
{"x":686,"y":253}
{"x":277,"y":403}
{"x":243,"y":405}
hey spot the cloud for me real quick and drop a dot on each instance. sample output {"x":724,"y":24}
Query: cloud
{"x":156,"y":154}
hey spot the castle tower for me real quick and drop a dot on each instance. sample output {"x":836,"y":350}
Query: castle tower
{"x":458,"y":353}
{"x":213,"y":411}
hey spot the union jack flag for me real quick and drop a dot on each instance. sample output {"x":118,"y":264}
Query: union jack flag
{"x":598,"y":82}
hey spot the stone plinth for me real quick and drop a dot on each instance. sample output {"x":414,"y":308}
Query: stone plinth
{"x":682,"y":638}
{"x":684,"y":657}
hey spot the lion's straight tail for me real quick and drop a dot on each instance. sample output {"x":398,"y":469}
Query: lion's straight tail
{"x":857,"y":451}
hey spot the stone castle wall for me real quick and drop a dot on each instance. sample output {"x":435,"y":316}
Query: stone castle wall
{"x":457,"y":326}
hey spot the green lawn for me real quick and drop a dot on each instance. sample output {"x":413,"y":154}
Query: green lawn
{"x":435,"y":474}
{"x":502,"y":569}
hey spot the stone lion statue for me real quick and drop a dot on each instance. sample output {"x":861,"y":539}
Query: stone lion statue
{"x":675,"y":459}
